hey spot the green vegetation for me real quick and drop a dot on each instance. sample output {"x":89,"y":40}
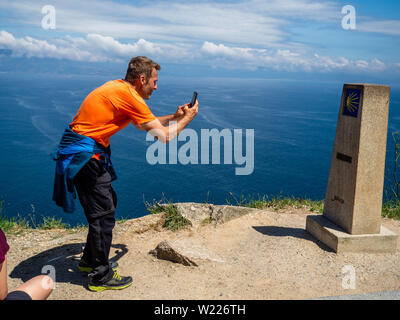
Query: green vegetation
{"x":391,"y":203}
{"x":53,"y":223}
{"x":13,"y":225}
{"x":173,"y":219}
{"x":16,"y":225}
{"x":276,"y":202}
{"x":391,"y":210}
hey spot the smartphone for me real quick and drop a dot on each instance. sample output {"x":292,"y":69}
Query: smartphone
{"x":194,"y":98}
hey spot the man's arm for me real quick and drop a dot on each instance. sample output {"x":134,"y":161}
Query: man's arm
{"x":165,"y":120}
{"x":167,"y":133}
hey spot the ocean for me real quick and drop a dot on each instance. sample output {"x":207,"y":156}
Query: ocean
{"x":294,"y":125}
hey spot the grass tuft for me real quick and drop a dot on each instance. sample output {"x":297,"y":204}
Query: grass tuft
{"x":277,"y":202}
{"x":53,"y":223}
{"x":391,"y":209}
{"x":174,"y":220}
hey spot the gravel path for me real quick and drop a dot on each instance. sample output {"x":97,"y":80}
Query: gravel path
{"x":262,"y":255}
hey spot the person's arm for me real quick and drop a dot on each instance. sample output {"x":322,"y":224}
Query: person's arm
{"x":165,"y":120}
{"x":3,"y":280}
{"x":167,"y":133}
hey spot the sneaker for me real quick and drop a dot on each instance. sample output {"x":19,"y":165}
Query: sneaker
{"x":85,"y":267}
{"x":117,"y":282}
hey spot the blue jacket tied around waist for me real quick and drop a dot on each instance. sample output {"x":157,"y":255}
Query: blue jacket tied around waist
{"x":72,"y":153}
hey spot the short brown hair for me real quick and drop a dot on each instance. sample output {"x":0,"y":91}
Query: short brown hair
{"x":140,"y":65}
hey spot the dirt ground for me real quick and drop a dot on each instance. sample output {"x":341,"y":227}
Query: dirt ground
{"x":261,"y":255}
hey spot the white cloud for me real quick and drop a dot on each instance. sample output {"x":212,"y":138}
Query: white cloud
{"x":255,"y":32}
{"x":176,"y":26}
{"x":247,"y":22}
{"x":31,"y":47}
{"x":231,"y":52}
{"x":300,"y":9}
{"x":284,"y":59}
{"x":110,"y":46}
{"x":377,"y":65}
{"x":374,"y":65}
{"x":94,"y":48}
{"x":389,"y":27}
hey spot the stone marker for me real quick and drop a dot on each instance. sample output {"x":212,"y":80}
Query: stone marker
{"x":353,"y":203}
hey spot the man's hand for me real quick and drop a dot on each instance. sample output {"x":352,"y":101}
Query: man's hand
{"x":179,"y":112}
{"x":167,"y":133}
{"x":191,"y":112}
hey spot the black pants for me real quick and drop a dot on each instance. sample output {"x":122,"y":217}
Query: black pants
{"x":98,"y":199}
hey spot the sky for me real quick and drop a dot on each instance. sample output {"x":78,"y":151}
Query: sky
{"x":237,"y":37}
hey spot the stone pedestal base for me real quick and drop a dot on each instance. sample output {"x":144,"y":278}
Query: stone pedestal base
{"x":340,"y":241}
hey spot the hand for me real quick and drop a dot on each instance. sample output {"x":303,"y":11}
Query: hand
{"x":180,"y":111}
{"x":191,"y":112}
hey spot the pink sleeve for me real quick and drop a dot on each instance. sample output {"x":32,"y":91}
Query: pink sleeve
{"x":3,"y":246}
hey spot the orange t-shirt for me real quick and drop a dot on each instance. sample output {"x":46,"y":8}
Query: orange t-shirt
{"x":108,"y":109}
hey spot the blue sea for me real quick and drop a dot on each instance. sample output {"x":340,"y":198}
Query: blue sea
{"x":294,"y":126}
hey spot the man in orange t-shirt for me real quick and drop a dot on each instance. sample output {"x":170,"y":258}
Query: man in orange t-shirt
{"x":104,"y":112}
